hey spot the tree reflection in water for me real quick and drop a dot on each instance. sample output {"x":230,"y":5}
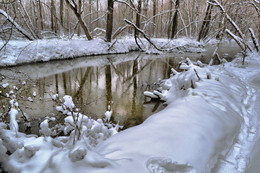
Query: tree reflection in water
{"x":96,"y":87}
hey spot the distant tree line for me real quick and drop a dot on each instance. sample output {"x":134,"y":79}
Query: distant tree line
{"x":200,"y":19}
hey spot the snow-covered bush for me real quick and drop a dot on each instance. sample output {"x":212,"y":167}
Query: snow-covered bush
{"x":80,"y":126}
{"x":81,"y":133}
{"x":179,"y":81}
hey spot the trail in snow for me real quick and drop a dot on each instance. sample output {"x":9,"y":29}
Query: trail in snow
{"x":236,"y":159}
{"x":254,"y":166}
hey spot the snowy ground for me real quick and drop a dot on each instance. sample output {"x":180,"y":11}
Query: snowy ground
{"x":20,"y":51}
{"x":209,"y":125}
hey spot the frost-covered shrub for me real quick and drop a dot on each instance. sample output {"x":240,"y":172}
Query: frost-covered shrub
{"x":179,"y":81}
{"x":81,"y":127}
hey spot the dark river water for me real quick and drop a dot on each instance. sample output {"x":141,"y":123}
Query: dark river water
{"x":96,"y":83}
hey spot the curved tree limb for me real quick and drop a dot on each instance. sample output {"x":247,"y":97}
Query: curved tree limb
{"x":17,"y":26}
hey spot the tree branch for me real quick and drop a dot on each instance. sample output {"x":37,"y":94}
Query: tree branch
{"x":17,"y":26}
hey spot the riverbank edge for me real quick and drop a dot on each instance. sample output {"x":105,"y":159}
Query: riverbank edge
{"x":19,"y":52}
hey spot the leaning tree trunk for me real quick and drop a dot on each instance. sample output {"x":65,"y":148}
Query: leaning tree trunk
{"x":17,"y":26}
{"x":73,"y":7}
{"x":206,"y":23}
{"x":79,"y":12}
{"x":109,"y":26}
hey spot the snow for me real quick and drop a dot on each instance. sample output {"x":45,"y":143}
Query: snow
{"x":44,"y":128}
{"x":108,"y":115}
{"x":5,"y":85}
{"x":209,"y":125}
{"x":13,"y":113}
{"x":30,"y":99}
{"x":19,"y":52}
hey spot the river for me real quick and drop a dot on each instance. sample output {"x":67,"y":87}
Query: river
{"x":97,"y":83}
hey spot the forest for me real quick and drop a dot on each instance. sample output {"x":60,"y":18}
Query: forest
{"x":200,"y":19}
{"x":123,"y":86}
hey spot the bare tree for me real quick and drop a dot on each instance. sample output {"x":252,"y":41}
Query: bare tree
{"x":40,"y":14}
{"x":154,"y":19}
{"x":138,"y":17}
{"x":109,"y":25}
{"x":61,"y":12}
{"x":79,"y":11}
{"x":206,"y":22}
{"x":175,"y":19}
{"x":74,"y":8}
{"x":53,"y":17}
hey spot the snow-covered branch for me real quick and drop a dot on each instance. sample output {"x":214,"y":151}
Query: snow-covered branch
{"x":17,"y":26}
{"x":118,"y":31}
{"x":237,"y":39}
{"x":142,"y":32}
{"x":255,"y":41}
{"x":74,"y":8}
{"x":228,"y":18}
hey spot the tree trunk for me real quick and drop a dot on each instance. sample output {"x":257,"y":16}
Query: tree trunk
{"x":206,"y":23}
{"x":161,"y":20}
{"x":79,"y":11}
{"x":175,"y":19}
{"x":154,"y":18}
{"x":78,"y":15}
{"x":138,"y":17}
{"x":61,"y":12}
{"x":90,"y":14}
{"x":97,"y":16}
{"x":53,"y":17}
{"x":40,"y":13}
{"x":169,"y":19}
{"x":109,"y":25}
{"x":145,"y":9}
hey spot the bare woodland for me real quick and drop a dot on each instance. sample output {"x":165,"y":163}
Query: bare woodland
{"x":109,"y":19}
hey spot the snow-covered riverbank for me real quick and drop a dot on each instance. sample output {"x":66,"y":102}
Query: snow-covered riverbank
{"x":20,"y":51}
{"x":209,"y":125}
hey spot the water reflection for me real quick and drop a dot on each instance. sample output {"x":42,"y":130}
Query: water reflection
{"x":96,"y":84}
{"x":96,"y":88}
